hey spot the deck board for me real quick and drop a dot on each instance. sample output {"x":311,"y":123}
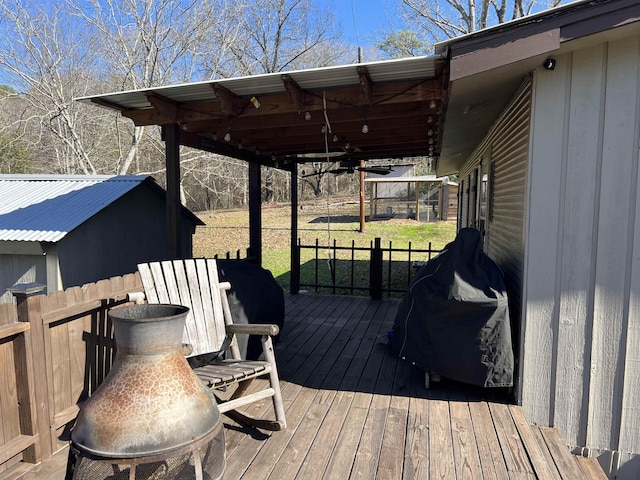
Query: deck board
{"x":354,"y":410}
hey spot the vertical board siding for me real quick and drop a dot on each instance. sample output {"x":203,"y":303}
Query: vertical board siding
{"x":582,"y":171}
{"x":581,"y":359}
{"x":617,"y":200}
{"x":19,"y":269}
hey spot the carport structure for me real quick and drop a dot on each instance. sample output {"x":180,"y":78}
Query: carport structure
{"x":280,"y":120}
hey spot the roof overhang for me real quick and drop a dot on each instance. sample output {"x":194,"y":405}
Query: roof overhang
{"x":280,"y":117}
{"x":487,"y":67}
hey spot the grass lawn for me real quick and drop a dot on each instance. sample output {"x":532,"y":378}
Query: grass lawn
{"x":228,"y":230}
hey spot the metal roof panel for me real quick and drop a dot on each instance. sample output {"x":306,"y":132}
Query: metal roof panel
{"x":45,"y":208}
{"x":312,"y":79}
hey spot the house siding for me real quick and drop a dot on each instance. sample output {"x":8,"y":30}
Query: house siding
{"x":503,"y":156}
{"x":581,"y":354}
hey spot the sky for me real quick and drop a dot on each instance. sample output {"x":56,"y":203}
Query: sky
{"x":362,"y":19}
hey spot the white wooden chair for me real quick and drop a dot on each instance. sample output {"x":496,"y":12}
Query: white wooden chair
{"x":209,"y":328}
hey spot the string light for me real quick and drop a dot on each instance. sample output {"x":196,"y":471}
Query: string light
{"x":307,"y":115}
{"x":335,"y":138}
{"x":432,"y":105}
{"x":227,"y":136}
{"x":365,"y":126}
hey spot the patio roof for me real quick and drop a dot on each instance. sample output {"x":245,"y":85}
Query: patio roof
{"x":274,"y":118}
{"x":440,"y":105}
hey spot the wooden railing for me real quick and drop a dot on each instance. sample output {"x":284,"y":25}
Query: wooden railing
{"x":54,"y":351}
{"x":374,"y":270}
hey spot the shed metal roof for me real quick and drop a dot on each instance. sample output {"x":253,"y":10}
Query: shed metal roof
{"x":45,"y":208}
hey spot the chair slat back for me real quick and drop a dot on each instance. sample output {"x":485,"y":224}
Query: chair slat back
{"x":193,"y":283}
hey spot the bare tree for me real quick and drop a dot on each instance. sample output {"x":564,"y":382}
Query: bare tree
{"x":43,"y":62}
{"x":281,"y":35}
{"x":145,"y":44}
{"x":441,"y":19}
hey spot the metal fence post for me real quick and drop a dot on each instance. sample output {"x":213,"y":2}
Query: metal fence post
{"x":294,"y":281}
{"x":375,"y":270}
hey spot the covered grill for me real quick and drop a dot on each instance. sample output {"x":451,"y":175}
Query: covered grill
{"x":454,"y":318}
{"x":151,"y":417}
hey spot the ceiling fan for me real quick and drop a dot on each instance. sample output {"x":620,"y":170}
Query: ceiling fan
{"x":346,"y":163}
{"x":351,"y":166}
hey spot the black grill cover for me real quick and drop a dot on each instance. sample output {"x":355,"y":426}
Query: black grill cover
{"x":454,"y":318}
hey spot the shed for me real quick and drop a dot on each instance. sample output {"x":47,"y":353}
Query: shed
{"x":543,"y":125}
{"x":68,"y":230}
{"x":422,"y":197}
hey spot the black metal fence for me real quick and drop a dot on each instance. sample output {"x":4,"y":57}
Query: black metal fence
{"x":375,"y":270}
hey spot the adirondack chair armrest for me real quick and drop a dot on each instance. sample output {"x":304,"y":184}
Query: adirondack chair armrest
{"x":254,"y":329}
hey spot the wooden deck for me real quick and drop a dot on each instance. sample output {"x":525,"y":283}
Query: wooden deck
{"x":355,"y":411}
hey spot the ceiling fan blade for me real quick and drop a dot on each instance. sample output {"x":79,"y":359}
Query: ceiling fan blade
{"x":376,"y":170}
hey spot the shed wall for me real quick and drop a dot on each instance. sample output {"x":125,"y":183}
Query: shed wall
{"x":111,"y":243}
{"x":581,"y":362}
{"x":20,"y":269}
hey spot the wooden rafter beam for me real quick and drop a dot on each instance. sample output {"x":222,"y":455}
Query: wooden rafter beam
{"x":353,"y":115}
{"x":163,"y":106}
{"x":344,"y":99}
{"x":229,"y":102}
{"x":295,"y":93}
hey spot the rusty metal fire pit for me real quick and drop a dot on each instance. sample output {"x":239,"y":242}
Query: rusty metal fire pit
{"x":151,"y":418}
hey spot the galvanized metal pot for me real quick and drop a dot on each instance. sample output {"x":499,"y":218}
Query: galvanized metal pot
{"x":151,"y":402}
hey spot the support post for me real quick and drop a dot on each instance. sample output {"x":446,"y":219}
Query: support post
{"x":255,"y":213}
{"x":294,"y":283}
{"x":361,"y":172}
{"x":174,"y":207}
